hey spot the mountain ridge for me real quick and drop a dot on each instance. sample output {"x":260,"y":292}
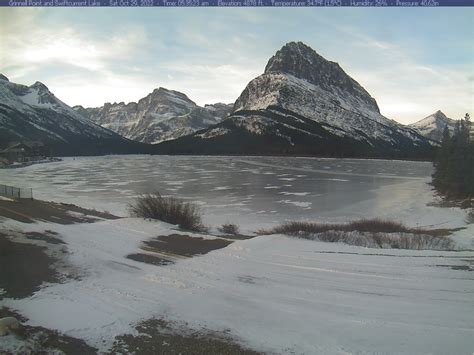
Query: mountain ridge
{"x":308,"y":105}
{"x":302,"y":104}
{"x":163,"y":114}
{"x":34,"y":113}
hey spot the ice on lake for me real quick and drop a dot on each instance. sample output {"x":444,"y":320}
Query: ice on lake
{"x":250,"y":191}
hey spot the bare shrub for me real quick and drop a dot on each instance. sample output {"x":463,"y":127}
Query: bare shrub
{"x":470,"y":216}
{"x":229,"y":228}
{"x":363,"y":225}
{"x":384,"y":240}
{"x":372,"y":233}
{"x":168,"y":209}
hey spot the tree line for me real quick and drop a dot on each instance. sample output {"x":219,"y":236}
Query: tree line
{"x":454,"y":163}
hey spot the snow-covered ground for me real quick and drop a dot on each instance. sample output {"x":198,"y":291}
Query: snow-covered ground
{"x":272,"y":293}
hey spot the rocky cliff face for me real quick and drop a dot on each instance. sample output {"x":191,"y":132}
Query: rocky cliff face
{"x":300,"y":61}
{"x":34,"y":113}
{"x":162,"y":115}
{"x":432,"y":126}
{"x":305,"y":104}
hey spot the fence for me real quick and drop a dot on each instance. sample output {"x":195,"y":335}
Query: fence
{"x":16,"y":192}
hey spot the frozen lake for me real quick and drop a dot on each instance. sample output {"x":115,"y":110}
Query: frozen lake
{"x":251,"y":191}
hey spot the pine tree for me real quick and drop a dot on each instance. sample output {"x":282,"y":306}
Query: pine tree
{"x":469,"y":170}
{"x":440,"y":176}
{"x":454,"y":164}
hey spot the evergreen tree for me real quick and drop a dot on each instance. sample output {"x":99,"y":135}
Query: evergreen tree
{"x":454,"y":164}
{"x":440,"y":176}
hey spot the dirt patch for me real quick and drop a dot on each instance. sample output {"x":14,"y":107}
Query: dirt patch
{"x":47,"y":236}
{"x":184,"y":245}
{"x":248,"y":279}
{"x":29,"y":211}
{"x":39,"y":340}
{"x":238,"y":237}
{"x":149,"y":259}
{"x":24,"y":267}
{"x":157,"y":336}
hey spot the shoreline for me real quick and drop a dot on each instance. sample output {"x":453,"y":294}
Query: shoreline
{"x":255,"y":156}
{"x":29,"y":163}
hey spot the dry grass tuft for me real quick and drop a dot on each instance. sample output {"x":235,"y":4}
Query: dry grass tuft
{"x":168,"y":209}
{"x":374,"y":233}
{"x":229,"y":228}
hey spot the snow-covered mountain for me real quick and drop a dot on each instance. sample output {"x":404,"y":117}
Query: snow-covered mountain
{"x":33,"y":113}
{"x":162,"y":115}
{"x":305,"y":104}
{"x":433,"y":126}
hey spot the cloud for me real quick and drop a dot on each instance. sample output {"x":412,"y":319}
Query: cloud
{"x":28,"y":45}
{"x":46,"y":47}
{"x":211,"y":54}
{"x":405,"y":88}
{"x":408,"y":92}
{"x":77,"y":67}
{"x":210,"y":83}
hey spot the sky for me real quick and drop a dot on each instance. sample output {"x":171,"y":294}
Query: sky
{"x":412,"y":61}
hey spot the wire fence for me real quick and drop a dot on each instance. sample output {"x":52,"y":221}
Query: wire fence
{"x":16,"y":192}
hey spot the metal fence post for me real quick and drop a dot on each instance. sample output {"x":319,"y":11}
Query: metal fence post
{"x":16,"y":192}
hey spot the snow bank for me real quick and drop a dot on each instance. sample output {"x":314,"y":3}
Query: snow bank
{"x":272,"y":292}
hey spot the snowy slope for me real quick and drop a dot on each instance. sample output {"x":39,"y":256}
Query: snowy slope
{"x":271,"y":293}
{"x":346,"y":115}
{"x":33,"y":113}
{"x":162,"y":115}
{"x":433,"y":125}
{"x":305,"y":104}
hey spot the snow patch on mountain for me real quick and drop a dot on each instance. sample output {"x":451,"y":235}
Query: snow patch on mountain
{"x":162,"y":115}
{"x":214,"y":132}
{"x":433,"y":125}
{"x":34,"y":113}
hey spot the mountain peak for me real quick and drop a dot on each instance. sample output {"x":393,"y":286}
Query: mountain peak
{"x":303,"y":62}
{"x":162,"y":93}
{"x":433,"y":125}
{"x":40,"y":86}
{"x":161,"y":90}
{"x":3,"y":77}
{"x":295,"y":58}
{"x":437,"y":116}
{"x":298,"y":47}
{"x":440,"y":114}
